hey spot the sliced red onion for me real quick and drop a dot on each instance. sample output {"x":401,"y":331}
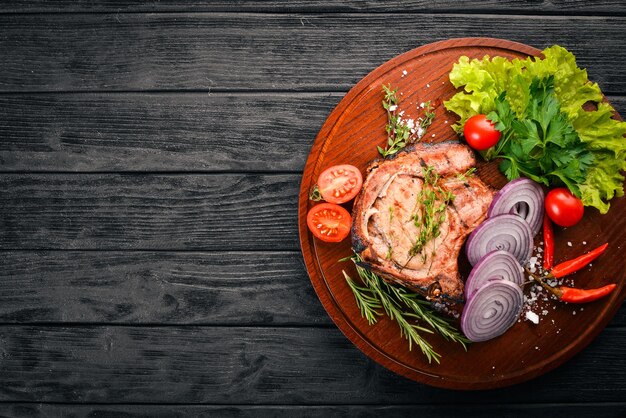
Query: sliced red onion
{"x":496,"y":265}
{"x":522,"y":197}
{"x":491,"y":310}
{"x":503,"y":232}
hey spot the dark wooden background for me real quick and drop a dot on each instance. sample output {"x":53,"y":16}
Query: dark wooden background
{"x":150,"y":160}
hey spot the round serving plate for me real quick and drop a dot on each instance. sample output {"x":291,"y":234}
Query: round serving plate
{"x":350,"y":135}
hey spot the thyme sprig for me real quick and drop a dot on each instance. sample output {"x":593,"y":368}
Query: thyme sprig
{"x":399,"y":132}
{"x":406,"y":308}
{"x":469,"y":173}
{"x":429,"y":116}
{"x":431,"y":204}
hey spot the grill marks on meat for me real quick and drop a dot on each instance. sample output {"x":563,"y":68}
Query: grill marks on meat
{"x":384,"y":230}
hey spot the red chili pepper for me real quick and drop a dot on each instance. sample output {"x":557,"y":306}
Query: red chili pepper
{"x":571,"y":266}
{"x":548,"y":243}
{"x":574,"y":295}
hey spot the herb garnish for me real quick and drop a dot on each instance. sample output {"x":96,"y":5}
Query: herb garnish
{"x":481,"y":81}
{"x":429,"y":116}
{"x":469,"y":173}
{"x":431,"y":205}
{"x":403,"y":306}
{"x":401,"y":133}
{"x":543,"y":146}
{"x":315,"y":194}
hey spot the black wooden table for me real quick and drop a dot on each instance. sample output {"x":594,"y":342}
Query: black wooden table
{"x":150,"y":159}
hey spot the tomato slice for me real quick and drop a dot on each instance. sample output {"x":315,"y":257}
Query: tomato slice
{"x":329,"y":222}
{"x":340,"y":183}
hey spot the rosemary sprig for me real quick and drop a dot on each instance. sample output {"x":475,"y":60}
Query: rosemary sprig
{"x":403,"y":307}
{"x":399,"y":132}
{"x":422,"y":308}
{"x":366,"y":300}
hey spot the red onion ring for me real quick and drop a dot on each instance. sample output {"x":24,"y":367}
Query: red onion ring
{"x":491,"y":310}
{"x":496,"y":265}
{"x":503,"y":232}
{"x":522,"y":197}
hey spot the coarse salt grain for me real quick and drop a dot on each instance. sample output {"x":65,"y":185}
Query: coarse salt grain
{"x":404,"y":72}
{"x":393,"y":108}
{"x":532,"y":317}
{"x":569,"y":243}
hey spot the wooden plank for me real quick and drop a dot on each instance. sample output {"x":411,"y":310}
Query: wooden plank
{"x":265,"y":51}
{"x":164,"y":132}
{"x":216,"y":288}
{"x":284,"y":366}
{"x":160,"y":132}
{"x":165,"y":212}
{"x":287,"y":6}
{"x":604,"y":410}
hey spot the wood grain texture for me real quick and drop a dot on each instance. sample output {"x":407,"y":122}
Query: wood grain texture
{"x":20,"y":410}
{"x":287,"y":6}
{"x":164,"y":132}
{"x":160,"y":132}
{"x":283,"y":366}
{"x":165,"y":212}
{"x":216,"y":288}
{"x":196,"y":93}
{"x":263,"y":51}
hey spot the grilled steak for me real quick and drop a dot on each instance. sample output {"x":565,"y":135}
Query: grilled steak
{"x":413,"y":215}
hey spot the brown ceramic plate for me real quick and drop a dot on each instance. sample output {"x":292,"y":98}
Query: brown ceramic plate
{"x":350,"y":135}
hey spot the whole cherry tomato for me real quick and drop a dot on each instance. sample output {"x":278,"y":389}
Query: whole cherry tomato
{"x":563,"y":207}
{"x":480,"y":133}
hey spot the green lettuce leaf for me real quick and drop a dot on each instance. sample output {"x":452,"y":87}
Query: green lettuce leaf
{"x":483,"y":80}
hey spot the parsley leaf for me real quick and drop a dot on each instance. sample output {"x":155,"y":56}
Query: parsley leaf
{"x":543,"y":146}
{"x":481,"y":81}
